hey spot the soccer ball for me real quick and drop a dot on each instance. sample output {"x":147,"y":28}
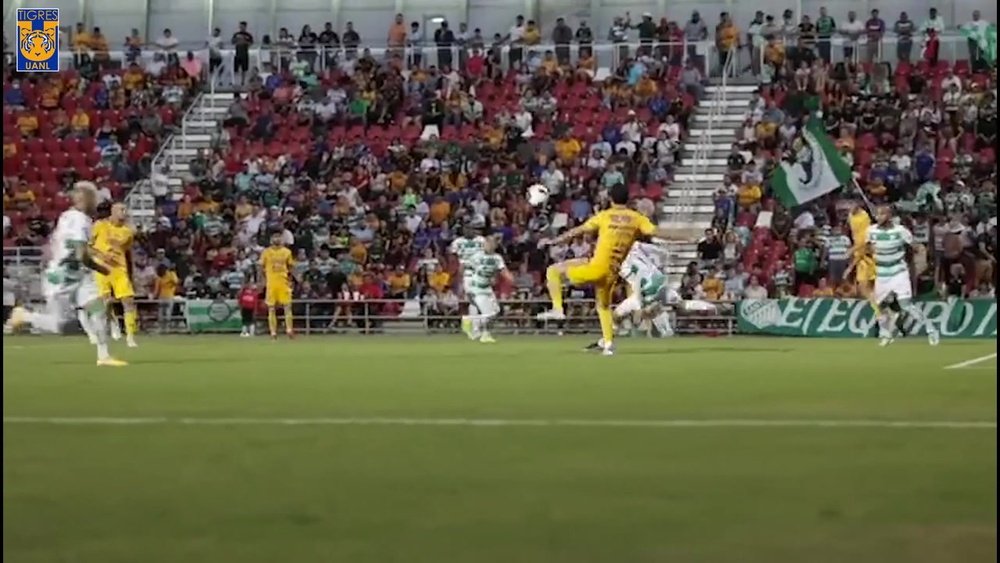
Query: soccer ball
{"x":537,"y":195}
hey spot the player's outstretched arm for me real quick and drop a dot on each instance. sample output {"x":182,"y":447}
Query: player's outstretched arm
{"x":574,"y":233}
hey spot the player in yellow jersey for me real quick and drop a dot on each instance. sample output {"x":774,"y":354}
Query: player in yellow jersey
{"x":862,"y":263}
{"x":617,"y":228}
{"x":112,"y":238}
{"x":276,"y":268}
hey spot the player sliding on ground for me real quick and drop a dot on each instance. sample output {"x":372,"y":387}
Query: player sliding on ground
{"x":644,"y":270}
{"x":276,"y":264}
{"x":617,"y":228}
{"x":889,"y":243}
{"x":483,"y":305}
{"x":112,"y":237}
{"x":69,"y":283}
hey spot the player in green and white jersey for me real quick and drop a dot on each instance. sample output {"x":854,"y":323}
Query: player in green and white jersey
{"x":889,"y":243}
{"x":467,"y":247}
{"x":483,"y":306}
{"x":68,"y":283}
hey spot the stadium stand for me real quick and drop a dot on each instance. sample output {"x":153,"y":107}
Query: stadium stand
{"x":370,"y":160}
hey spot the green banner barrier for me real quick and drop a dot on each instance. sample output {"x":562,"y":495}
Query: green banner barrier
{"x":852,"y":318}
{"x":205,"y":315}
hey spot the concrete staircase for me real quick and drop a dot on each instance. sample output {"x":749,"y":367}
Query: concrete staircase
{"x":172,"y":164}
{"x":688,"y":207}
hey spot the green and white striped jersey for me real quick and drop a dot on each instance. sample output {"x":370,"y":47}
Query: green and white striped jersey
{"x":467,"y":249}
{"x":889,"y":248}
{"x":485,"y":268}
{"x":72,"y":230}
{"x":838,"y":247}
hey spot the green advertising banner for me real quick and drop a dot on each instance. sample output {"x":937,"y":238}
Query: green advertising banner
{"x":852,"y":318}
{"x":205,"y":315}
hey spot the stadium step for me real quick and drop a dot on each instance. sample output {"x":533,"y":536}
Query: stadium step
{"x":732,"y":88}
{"x":726,"y":104}
{"x":686,"y":208}
{"x":713,"y":146}
{"x":728,"y":119}
{"x":703,"y":162}
{"x":698,"y":177}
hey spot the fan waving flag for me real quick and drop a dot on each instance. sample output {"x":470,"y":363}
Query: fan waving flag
{"x":985,"y":37}
{"x":817,"y":168}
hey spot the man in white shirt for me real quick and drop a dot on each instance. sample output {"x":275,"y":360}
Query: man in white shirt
{"x":553,"y":178}
{"x":632,"y":129}
{"x":976,"y":33}
{"x":168,"y":44}
{"x":933,"y":21}
{"x":852,"y":30}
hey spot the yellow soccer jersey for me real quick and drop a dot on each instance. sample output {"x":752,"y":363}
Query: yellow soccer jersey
{"x":113,"y":241}
{"x":277,"y":263}
{"x":617,"y":228}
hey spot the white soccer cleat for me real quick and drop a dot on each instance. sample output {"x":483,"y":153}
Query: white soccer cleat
{"x":608,"y":351}
{"x":130,"y":342}
{"x":111,"y":362}
{"x":116,"y":331}
{"x":552,"y":315}
{"x":244,"y":334}
{"x":933,"y":338}
{"x":487,"y":338}
{"x":884,"y":341}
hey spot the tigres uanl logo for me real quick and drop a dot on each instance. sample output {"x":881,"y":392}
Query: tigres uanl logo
{"x":37,"y":40}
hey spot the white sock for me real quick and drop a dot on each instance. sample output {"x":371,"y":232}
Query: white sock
{"x":918,"y":316}
{"x":81,"y":316}
{"x":99,"y":323}
{"x":885,"y":324}
{"x":662,"y":324}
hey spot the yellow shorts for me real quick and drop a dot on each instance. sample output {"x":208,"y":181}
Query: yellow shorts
{"x":278,"y":296}
{"x":116,"y":284}
{"x":865,"y":271}
{"x":602,"y":276}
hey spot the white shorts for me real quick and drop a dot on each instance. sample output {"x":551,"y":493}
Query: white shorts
{"x":484,"y":304}
{"x":72,"y":295}
{"x":897,"y":283}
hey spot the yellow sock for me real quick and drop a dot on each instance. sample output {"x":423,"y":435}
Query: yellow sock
{"x":289,"y":321}
{"x":553,"y":279}
{"x":131,"y":322}
{"x":875,"y":307}
{"x":272,"y":321}
{"x":607,"y":324}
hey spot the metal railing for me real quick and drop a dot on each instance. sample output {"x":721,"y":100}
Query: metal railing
{"x":376,"y":316}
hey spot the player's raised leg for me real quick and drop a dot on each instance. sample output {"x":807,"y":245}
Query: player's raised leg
{"x":555,"y":277}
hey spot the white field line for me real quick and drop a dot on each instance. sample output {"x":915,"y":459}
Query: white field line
{"x":971,"y":362}
{"x":500,"y":422}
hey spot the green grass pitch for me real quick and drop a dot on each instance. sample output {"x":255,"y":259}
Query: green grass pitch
{"x":388,"y":449}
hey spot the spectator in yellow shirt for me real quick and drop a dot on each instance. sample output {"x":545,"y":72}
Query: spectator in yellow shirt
{"x":749,"y":195}
{"x":713,"y":286}
{"x":644,"y":89}
{"x":567,"y":149}
{"x":440,"y":210}
{"x":133,"y":79}
{"x":549,"y":64}
{"x":399,"y":283}
{"x":80,"y":123}
{"x":27,"y":123}
{"x":439,"y":279}
{"x":727,"y":37}
{"x":23,"y":196}
{"x":774,"y":53}
{"x":532,"y":35}
{"x":823,"y":289}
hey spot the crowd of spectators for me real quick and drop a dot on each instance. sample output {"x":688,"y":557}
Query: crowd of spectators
{"x":101,"y":120}
{"x":370,"y":168}
{"x":919,"y":132}
{"x":370,"y":165}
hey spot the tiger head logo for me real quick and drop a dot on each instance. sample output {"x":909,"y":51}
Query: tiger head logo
{"x":37,"y":44}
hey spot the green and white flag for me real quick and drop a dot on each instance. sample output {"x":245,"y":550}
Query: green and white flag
{"x":985,"y":37}
{"x":205,"y":315}
{"x":817,"y":169}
